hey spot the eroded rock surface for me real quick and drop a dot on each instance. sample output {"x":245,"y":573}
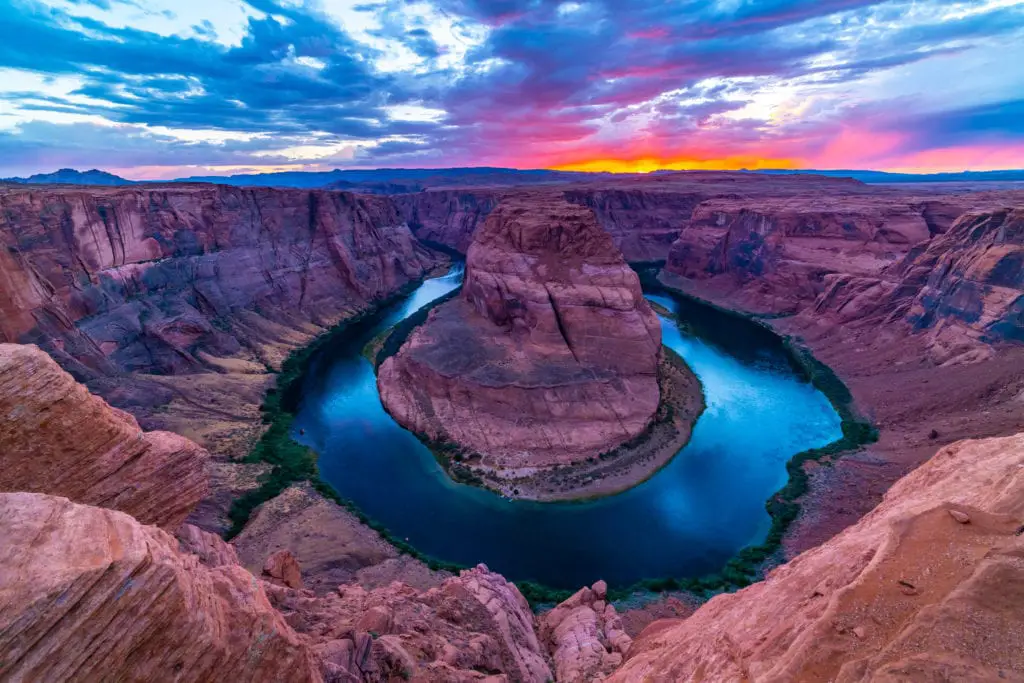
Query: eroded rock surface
{"x":549,"y":356}
{"x":173,"y":302}
{"x":473,"y":627}
{"x":907,"y":593}
{"x":964,"y":290}
{"x":57,"y":438}
{"x":585,"y":636}
{"x":91,"y":594}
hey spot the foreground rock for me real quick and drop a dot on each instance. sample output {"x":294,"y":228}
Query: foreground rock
{"x":57,"y":438}
{"x":585,"y":636}
{"x":473,"y":627}
{"x":908,"y":593}
{"x":90,"y":594}
{"x":549,"y":357}
{"x":330,"y":545}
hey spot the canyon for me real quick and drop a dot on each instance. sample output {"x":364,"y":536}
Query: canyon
{"x":177,"y":304}
{"x":551,"y":355}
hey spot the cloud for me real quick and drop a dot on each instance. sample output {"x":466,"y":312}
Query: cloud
{"x":518,"y":82}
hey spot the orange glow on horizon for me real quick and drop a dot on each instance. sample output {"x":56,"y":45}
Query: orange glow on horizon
{"x":649,"y":164}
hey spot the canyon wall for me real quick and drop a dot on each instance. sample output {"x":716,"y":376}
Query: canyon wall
{"x":174,"y":280}
{"x":963,"y":290}
{"x":645,"y":215}
{"x":447,"y":217}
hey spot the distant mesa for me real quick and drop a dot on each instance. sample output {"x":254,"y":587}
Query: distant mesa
{"x":69,"y":176}
{"x":550,"y":357}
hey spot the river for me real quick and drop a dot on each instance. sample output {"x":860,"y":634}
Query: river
{"x":687,"y":520}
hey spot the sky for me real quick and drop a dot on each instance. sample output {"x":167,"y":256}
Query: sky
{"x":153,"y":89}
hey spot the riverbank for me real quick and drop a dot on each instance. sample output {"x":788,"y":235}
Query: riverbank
{"x":536,"y":592}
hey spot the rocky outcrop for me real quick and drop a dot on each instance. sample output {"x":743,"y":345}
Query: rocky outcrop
{"x":927,"y":586}
{"x":473,"y":627}
{"x":90,"y":594}
{"x":585,"y":636}
{"x":549,"y":356}
{"x":329,"y":544}
{"x":57,"y":438}
{"x":212,"y":550}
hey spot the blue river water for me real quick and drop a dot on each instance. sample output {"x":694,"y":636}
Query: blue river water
{"x":687,"y":520}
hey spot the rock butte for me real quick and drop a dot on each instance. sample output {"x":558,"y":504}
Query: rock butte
{"x":550,"y":356}
{"x":913,"y":297}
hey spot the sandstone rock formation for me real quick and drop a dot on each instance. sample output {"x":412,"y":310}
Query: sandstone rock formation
{"x":90,"y":594}
{"x":281,"y":567}
{"x":473,"y":627}
{"x":549,"y":356}
{"x":447,"y":217}
{"x":908,"y":593}
{"x":328,"y":542}
{"x":964,"y":289}
{"x":167,"y":282}
{"x":170,"y":279}
{"x":585,"y":636}
{"x":212,"y":550}
{"x":57,"y":438}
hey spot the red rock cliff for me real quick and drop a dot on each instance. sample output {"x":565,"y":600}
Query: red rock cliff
{"x":90,"y":594}
{"x":57,"y":438}
{"x":167,"y":280}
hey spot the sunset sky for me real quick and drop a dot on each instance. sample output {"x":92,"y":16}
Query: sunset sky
{"x":167,"y":88}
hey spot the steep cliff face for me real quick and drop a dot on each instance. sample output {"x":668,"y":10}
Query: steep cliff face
{"x":550,"y":355}
{"x":928,"y":586}
{"x":175,"y":280}
{"x":448,"y":217}
{"x":643,"y":222}
{"x":57,"y":438}
{"x":91,"y":594}
{"x":963,"y":290}
{"x":776,"y":254}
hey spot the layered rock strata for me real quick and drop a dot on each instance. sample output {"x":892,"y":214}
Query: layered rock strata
{"x":57,"y":438}
{"x":585,"y":636}
{"x":964,"y":290}
{"x":90,"y":594}
{"x":925,"y":587}
{"x":173,"y":302}
{"x":549,"y":356}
